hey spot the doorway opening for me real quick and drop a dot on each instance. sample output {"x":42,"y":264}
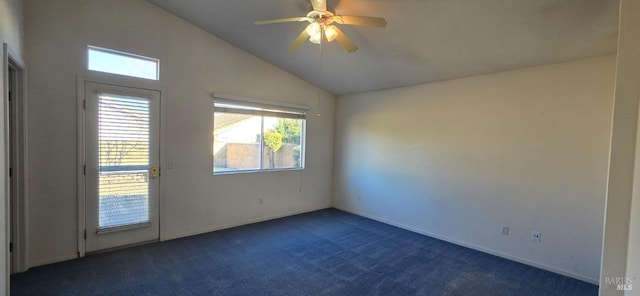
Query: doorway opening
{"x":16,"y":161}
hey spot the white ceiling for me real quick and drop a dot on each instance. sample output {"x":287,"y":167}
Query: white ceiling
{"x":424,"y":41}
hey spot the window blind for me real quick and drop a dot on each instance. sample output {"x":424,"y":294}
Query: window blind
{"x":123,"y":134}
{"x":248,"y":106}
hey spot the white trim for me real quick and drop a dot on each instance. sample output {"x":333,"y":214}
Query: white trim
{"x":5,"y":200}
{"x":80,"y":122}
{"x":19,"y":163}
{"x":117,"y":80}
{"x":303,"y":144}
{"x":14,"y":56}
{"x":260,"y":102}
{"x":163,"y":167}
{"x":475,"y":247}
{"x":258,"y":171}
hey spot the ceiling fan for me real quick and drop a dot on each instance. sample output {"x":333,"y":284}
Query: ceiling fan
{"x":321,"y":23}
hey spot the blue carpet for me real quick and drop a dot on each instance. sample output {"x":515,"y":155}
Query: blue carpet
{"x":327,"y":252}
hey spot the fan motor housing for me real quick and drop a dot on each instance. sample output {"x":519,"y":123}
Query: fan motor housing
{"x":325,"y":17}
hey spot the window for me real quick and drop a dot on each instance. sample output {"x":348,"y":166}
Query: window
{"x":122,"y":63}
{"x":249,"y":137}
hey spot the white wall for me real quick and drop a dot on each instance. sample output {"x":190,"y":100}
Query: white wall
{"x":12,"y":25}
{"x":193,"y":65}
{"x":621,"y":245}
{"x":456,"y":159}
{"x":11,"y":33}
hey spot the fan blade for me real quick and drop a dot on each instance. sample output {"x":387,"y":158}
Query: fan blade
{"x":281,"y":20}
{"x":345,"y":42}
{"x":299,"y":41}
{"x":360,"y":20}
{"x":319,"y":5}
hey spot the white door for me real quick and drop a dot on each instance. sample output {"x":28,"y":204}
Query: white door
{"x":122,"y":173}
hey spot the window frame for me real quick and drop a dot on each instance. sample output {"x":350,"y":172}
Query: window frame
{"x":262,"y":108}
{"x":122,"y":54}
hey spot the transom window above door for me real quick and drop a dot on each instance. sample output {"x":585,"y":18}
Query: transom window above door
{"x":122,"y":63}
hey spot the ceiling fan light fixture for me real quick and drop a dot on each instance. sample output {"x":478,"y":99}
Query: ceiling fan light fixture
{"x":313,"y":29}
{"x":330,"y":32}
{"x":316,"y":39}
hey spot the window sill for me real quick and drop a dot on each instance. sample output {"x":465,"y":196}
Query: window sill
{"x":255,"y":171}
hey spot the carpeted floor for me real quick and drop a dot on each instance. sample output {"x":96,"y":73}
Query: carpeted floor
{"x":327,"y":252}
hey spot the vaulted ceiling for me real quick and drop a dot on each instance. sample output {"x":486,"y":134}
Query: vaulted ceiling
{"x":424,"y":41}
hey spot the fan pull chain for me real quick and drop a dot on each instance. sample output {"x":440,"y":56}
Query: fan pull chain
{"x":320,"y":56}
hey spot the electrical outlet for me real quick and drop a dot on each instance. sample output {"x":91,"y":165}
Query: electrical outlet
{"x":504,"y":229}
{"x":261,"y":201}
{"x":536,"y":236}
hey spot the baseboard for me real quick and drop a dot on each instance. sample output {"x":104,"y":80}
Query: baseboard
{"x":240,"y":223}
{"x":475,"y":247}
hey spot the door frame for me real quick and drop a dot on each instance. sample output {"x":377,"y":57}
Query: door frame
{"x":120,"y":81}
{"x":16,"y":212}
